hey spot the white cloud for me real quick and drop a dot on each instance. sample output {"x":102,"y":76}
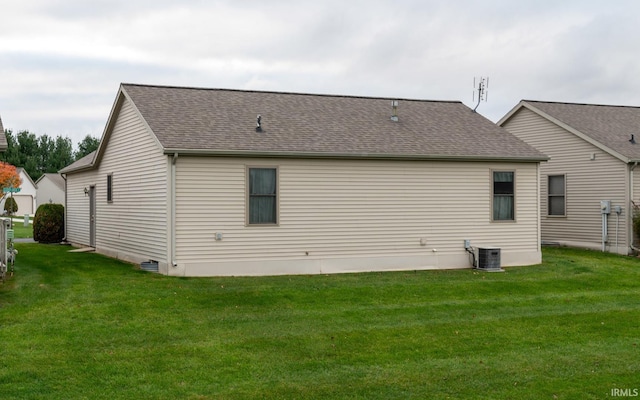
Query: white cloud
{"x":62,"y":60}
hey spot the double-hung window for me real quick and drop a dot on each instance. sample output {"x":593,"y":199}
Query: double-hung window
{"x":262,"y":196}
{"x":557,"y":198}
{"x":503,"y":193}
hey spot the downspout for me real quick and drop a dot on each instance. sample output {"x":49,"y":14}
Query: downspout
{"x":64,"y":176}
{"x":174,"y":263}
{"x":630,"y":207}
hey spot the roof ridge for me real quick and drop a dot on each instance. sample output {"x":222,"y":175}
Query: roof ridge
{"x":288,"y":93}
{"x":580,"y":104}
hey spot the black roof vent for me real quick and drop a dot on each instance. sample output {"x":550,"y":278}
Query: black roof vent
{"x":632,"y":140}
{"x":259,"y":124}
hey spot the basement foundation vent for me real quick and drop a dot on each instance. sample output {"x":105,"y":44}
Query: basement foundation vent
{"x":150,"y":266}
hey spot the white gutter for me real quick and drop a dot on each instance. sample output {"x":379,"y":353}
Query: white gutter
{"x":366,"y":156}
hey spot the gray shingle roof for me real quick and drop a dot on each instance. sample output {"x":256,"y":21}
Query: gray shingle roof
{"x":611,"y":126}
{"x":218,"y":120}
{"x":83,"y":163}
{"x":3,"y":138}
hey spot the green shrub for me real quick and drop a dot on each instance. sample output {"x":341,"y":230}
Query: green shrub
{"x":10,"y":205}
{"x":48,"y":224}
{"x":636,"y":224}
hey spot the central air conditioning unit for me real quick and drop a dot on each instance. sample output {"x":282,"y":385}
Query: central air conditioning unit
{"x":488,"y":259}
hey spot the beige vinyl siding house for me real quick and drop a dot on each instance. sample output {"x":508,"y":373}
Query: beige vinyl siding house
{"x":591,"y":160}
{"x":50,"y":189}
{"x":320,"y":184}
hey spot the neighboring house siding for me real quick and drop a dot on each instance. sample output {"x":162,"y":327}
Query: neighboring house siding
{"x":587,"y":183}
{"x":49,"y":192}
{"x":349,"y":215}
{"x":134,"y":225}
{"x":77,"y":213}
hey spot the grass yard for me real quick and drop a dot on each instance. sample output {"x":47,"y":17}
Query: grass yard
{"x":20,"y":231}
{"x":82,"y":326}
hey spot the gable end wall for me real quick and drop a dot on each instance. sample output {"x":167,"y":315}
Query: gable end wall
{"x":133,"y":226}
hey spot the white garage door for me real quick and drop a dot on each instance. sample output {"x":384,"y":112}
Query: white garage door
{"x":25,"y":203}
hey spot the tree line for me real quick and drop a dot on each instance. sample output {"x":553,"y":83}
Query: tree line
{"x":42,"y":154}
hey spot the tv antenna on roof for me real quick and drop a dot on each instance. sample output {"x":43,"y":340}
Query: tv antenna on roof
{"x":482,"y":90}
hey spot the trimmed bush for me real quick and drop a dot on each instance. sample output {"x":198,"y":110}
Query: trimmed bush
{"x":48,"y":224}
{"x":10,"y":205}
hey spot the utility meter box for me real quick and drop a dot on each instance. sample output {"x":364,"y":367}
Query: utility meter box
{"x":605,"y":206}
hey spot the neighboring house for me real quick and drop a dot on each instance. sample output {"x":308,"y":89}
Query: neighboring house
{"x":26,"y":197}
{"x":3,"y":138}
{"x":193,"y":179}
{"x":594,"y":152}
{"x":50,"y":189}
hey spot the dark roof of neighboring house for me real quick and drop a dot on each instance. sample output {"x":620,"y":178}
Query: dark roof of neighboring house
{"x":57,"y":179}
{"x":606,"y":126}
{"x":223,"y":122}
{"x":3,"y":138}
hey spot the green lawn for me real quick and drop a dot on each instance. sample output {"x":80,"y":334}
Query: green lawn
{"x":82,"y":326}
{"x":20,"y":231}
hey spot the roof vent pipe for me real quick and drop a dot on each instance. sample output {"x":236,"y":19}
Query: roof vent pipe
{"x":394,"y":110}
{"x":259,"y":124}
{"x":633,"y":139}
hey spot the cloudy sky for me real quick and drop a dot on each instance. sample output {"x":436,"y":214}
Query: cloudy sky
{"x":61,"y":61}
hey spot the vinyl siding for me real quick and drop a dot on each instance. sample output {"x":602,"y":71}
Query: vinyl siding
{"x":77,"y":210}
{"x":587,"y":183}
{"x":48,"y":191}
{"x":134,"y":225}
{"x":350,"y":212}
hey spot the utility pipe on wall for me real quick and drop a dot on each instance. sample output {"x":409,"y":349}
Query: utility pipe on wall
{"x":604,"y":232}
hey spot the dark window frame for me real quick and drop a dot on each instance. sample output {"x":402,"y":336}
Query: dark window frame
{"x":110,"y":188}
{"x":500,"y":191}
{"x":253,"y":196}
{"x":551,"y":195}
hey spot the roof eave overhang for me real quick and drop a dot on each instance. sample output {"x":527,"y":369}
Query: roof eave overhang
{"x":354,"y":156}
{"x":74,"y":170}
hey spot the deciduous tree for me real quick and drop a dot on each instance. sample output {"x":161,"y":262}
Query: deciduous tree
{"x":9,"y":176}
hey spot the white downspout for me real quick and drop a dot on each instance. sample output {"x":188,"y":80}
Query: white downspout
{"x":174,"y":263}
{"x":630,"y":206}
{"x":66,"y":218}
